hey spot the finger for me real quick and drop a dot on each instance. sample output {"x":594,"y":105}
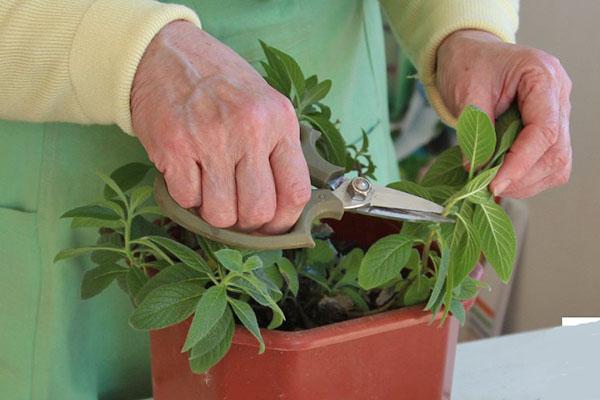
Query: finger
{"x":255,"y":193}
{"x":554,"y":168}
{"x":184,"y":182}
{"x":219,"y":203}
{"x":539,"y":103}
{"x":292,"y":184}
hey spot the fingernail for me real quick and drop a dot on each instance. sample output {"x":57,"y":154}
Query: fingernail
{"x":501,"y":186}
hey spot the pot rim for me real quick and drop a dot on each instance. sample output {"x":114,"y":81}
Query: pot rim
{"x":338,"y":332}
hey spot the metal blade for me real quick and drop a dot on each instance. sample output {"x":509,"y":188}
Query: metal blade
{"x":384,"y":197}
{"x":401,"y":215}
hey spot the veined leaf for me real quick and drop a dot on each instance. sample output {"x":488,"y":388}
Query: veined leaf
{"x":384,"y":260}
{"x":247,"y":317}
{"x":79,"y":251}
{"x":417,"y":291}
{"x":447,"y":169}
{"x":412,"y":188}
{"x":440,"y":275}
{"x":82,"y":222}
{"x":476,"y":136}
{"x":252,"y":263}
{"x":465,"y":248}
{"x":257,"y":289}
{"x":331,"y":136}
{"x":350,"y":265}
{"x":287,"y":269}
{"x":93,"y":211}
{"x":178,"y":273}
{"x":458,"y":310}
{"x":209,"y":354}
{"x":187,"y":256}
{"x":506,"y":140}
{"x":466,"y":290}
{"x":139,"y":195}
{"x":477,"y":184}
{"x":99,"y":278}
{"x":112,"y":187}
{"x":166,"y":305}
{"x":208,"y":312}
{"x":126,"y":177}
{"x":222,"y":329}
{"x":497,"y":237}
{"x":293,"y":71}
{"x":231,"y":259}
{"x":135,"y":280}
{"x":322,"y":253}
{"x":314,"y":94}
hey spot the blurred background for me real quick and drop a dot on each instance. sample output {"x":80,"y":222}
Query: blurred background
{"x":558,"y":273}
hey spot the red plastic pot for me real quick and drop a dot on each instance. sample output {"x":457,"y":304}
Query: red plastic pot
{"x":393,"y":356}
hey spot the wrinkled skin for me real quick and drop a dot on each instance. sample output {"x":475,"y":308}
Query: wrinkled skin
{"x":226,"y":142}
{"x":475,"y":67}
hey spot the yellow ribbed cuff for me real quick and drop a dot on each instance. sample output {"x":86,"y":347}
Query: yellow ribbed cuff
{"x":107,"y":48}
{"x":422,"y":25}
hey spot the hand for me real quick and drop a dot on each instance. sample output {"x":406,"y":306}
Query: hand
{"x":226,"y":142}
{"x":475,"y":67}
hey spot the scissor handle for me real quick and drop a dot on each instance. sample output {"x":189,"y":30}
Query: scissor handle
{"x":321,"y":171}
{"x":322,"y":204}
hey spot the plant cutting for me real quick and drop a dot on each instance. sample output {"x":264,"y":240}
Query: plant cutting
{"x":177,"y":278}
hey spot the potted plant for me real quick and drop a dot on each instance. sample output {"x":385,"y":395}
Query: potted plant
{"x":350,"y":318}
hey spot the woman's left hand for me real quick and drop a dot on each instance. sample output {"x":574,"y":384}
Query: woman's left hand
{"x":475,"y":67}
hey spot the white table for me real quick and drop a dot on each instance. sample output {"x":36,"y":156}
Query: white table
{"x":554,"y":364}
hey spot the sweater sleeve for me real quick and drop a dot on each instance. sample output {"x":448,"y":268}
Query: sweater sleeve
{"x":422,"y":25}
{"x":75,"y":60}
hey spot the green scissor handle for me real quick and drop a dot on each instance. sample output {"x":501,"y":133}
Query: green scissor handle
{"x":323,"y":204}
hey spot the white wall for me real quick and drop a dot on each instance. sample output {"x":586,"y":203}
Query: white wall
{"x":560,"y":269}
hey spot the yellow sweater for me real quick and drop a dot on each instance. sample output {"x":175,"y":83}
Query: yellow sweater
{"x":74,"y":60}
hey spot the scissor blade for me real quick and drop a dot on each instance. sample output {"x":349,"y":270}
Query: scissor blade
{"x":384,"y":197}
{"x":401,"y":215}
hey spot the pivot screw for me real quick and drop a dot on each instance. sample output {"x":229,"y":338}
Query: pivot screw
{"x":359,"y":188}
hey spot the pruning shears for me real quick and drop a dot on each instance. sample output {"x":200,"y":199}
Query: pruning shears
{"x":335,"y":194}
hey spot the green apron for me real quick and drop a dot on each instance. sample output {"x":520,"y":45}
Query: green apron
{"x":54,"y":346}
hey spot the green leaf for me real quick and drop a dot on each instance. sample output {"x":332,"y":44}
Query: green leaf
{"x":252,"y":263}
{"x":447,"y":169}
{"x":412,"y":188}
{"x":315,"y":94}
{"x":209,"y":311}
{"x":506,"y":140}
{"x":126,"y":177}
{"x":166,"y":305}
{"x":141,"y":227}
{"x":210,"y":350}
{"x":178,"y":273}
{"x":464,"y":248}
{"x":440,"y":275}
{"x":417,"y":291}
{"x":322,"y":253}
{"x":79,"y":251}
{"x":222,"y":329}
{"x":187,"y":256}
{"x":81,"y":222}
{"x":95,"y":212}
{"x":384,"y":260}
{"x":108,"y":257}
{"x":497,"y":237}
{"x":293,"y":71}
{"x":247,"y":317}
{"x":257,"y":289}
{"x":350,"y":265}
{"x":476,"y":136}
{"x":99,"y":278}
{"x":150,"y":210}
{"x":467,"y":289}
{"x":231,"y":259}
{"x":135,"y":280}
{"x":477,"y":184}
{"x":458,"y":310}
{"x":276,"y":71}
{"x":359,"y":302}
{"x":112,"y":187}
{"x":139,"y":195}
{"x":268,"y":257}
{"x":331,"y":136}
{"x":287,"y":269}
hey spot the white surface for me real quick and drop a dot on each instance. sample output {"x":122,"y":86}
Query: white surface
{"x":554,"y":364}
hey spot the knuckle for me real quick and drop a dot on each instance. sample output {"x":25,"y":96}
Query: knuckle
{"x":219,"y":219}
{"x":550,"y":134}
{"x":187,"y":199}
{"x":255,"y":217}
{"x":298,"y":194}
{"x":255,"y":113}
